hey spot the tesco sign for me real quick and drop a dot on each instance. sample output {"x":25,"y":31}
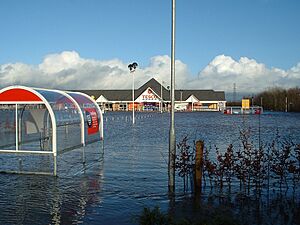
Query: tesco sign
{"x":147,"y":96}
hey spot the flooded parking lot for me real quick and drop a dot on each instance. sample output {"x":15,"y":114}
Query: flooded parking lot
{"x":125,"y":172}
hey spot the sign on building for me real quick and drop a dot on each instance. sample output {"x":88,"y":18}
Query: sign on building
{"x":148,"y":96}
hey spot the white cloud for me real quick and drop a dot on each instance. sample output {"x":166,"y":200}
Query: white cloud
{"x":55,"y":63}
{"x":249,"y":75}
{"x":160,"y":69}
{"x":68,"y":70}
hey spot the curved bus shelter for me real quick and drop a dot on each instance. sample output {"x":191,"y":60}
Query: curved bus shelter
{"x":43,"y":121}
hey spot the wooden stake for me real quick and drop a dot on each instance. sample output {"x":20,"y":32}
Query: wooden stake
{"x":199,"y":165}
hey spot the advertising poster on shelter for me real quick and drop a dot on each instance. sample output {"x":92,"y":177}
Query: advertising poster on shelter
{"x":92,"y":120}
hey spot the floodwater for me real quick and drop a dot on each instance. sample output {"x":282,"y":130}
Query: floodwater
{"x":126,"y":172}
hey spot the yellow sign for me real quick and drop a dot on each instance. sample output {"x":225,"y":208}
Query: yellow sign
{"x":245,"y":103}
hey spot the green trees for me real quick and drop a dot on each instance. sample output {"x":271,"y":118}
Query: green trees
{"x":279,"y":99}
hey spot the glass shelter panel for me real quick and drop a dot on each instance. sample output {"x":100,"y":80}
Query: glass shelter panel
{"x":34,"y":127}
{"x":92,"y":119}
{"x":32,"y":131}
{"x":7,"y":126}
{"x":64,"y":109}
{"x":67,"y":117}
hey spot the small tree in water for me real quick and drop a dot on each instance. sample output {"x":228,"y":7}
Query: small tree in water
{"x":185,"y":161}
{"x":209,"y":167}
{"x":281,"y":162}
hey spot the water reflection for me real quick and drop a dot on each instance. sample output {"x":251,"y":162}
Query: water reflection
{"x":237,"y":209}
{"x":35,"y":199}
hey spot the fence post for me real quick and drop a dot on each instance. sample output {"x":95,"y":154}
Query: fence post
{"x":199,"y":166}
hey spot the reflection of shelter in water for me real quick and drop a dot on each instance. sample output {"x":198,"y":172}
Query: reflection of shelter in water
{"x":36,"y":121}
{"x":72,"y":197}
{"x":63,"y":200}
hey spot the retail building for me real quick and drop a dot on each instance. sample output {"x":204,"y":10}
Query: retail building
{"x":153,"y":96}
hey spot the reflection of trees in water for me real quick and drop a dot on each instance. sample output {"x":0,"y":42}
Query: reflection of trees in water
{"x":280,"y":209}
{"x":240,"y":209}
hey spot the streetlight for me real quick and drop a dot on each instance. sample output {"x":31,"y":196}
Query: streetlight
{"x":132,"y":68}
{"x":172,"y":141}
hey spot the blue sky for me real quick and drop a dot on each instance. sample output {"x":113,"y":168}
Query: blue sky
{"x":266,"y":31}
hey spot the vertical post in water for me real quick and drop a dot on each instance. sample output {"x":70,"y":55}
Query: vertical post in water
{"x":83,"y":154}
{"x":17,"y":127}
{"x":172,"y":141}
{"x":199,"y":166}
{"x":132,"y":97}
{"x":54,"y":164}
{"x":161,"y":99}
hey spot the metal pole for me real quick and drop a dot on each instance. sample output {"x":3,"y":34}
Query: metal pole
{"x":132,"y":97}
{"x":83,"y":154}
{"x":161,"y":98}
{"x":172,"y":141}
{"x":17,"y":128}
{"x":132,"y":68}
{"x":54,"y":164}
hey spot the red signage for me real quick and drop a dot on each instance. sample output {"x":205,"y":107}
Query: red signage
{"x":92,"y":120}
{"x":149,"y":95}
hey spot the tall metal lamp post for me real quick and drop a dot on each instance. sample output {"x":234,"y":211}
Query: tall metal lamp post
{"x":172,"y":141}
{"x":132,"y":68}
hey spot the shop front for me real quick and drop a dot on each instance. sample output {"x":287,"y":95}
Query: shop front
{"x":153,"y":96}
{"x":149,"y":101}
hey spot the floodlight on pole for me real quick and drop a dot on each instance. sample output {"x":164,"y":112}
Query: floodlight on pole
{"x":132,"y":67}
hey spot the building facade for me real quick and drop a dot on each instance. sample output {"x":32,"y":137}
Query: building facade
{"x":153,"y":96}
